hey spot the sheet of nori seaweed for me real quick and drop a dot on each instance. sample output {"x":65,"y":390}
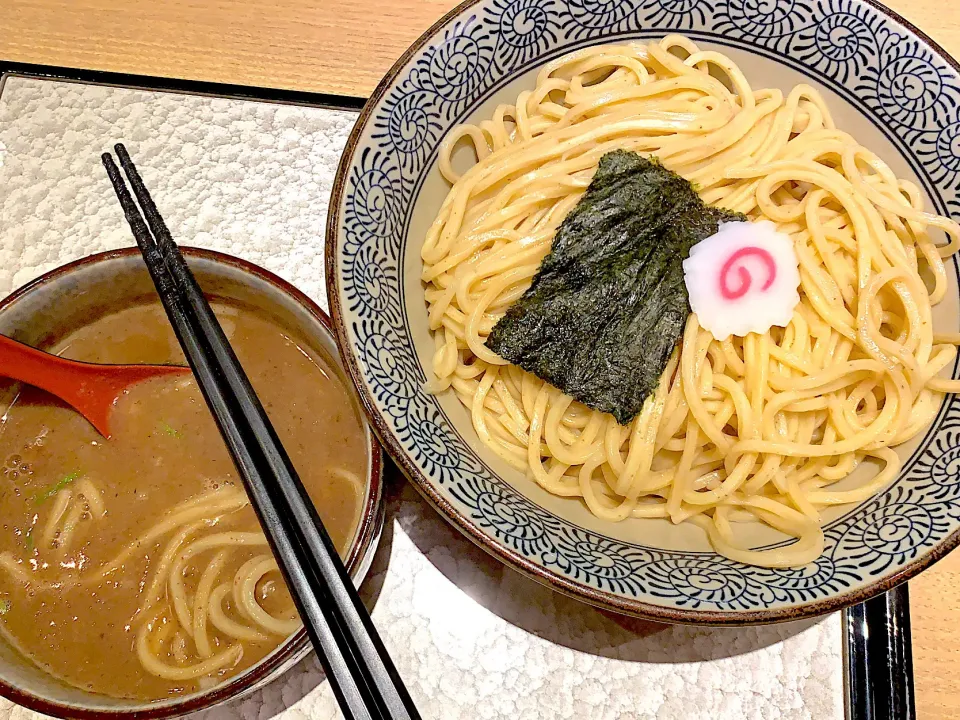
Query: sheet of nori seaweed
{"x":609,"y":304}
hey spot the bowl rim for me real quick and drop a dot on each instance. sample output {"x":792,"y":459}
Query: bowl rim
{"x":364,"y":545}
{"x":508,"y":556}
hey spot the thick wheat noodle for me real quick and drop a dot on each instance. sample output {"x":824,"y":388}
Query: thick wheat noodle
{"x":69,"y":528}
{"x":217,"y":501}
{"x":224,"y":624}
{"x":209,"y":505}
{"x":88,"y":502}
{"x":175,"y":587}
{"x":154,"y":592}
{"x":15,"y":568}
{"x":245,"y":596}
{"x":169,"y":622}
{"x":92,"y":496}
{"x":190,"y":615}
{"x":351,"y":477}
{"x":60,"y":504}
{"x":743,"y":430}
{"x":201,"y":603}
{"x":150,"y":657}
{"x":178,"y":648}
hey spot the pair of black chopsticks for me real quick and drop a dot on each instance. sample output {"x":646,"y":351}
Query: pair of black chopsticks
{"x":360,"y":670}
{"x":879,"y":660}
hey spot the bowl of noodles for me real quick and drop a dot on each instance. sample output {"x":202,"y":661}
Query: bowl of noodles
{"x":137,"y":581}
{"x":493,"y":202}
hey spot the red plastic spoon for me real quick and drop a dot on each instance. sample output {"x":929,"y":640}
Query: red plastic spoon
{"x":91,"y":389}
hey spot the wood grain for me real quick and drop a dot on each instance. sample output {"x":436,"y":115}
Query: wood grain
{"x":343,"y":47}
{"x":333,"y":46}
{"x":935,"y":616}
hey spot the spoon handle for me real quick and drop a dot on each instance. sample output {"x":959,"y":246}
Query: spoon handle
{"x":64,"y":378}
{"x":89,"y":388}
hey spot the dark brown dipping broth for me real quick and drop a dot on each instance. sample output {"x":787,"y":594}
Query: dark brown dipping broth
{"x":57,"y":605}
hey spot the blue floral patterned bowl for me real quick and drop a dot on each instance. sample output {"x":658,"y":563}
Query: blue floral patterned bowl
{"x":886,"y":82}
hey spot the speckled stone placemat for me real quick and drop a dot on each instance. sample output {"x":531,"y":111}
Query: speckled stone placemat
{"x":471,"y":638}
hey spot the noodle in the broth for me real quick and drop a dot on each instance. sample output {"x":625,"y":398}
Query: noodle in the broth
{"x":171,"y":622}
{"x":134,"y":566}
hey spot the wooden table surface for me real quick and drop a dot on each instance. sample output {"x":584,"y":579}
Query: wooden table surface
{"x":343,"y":47}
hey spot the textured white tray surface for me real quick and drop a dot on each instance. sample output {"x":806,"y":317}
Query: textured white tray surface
{"x":471,"y":638}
